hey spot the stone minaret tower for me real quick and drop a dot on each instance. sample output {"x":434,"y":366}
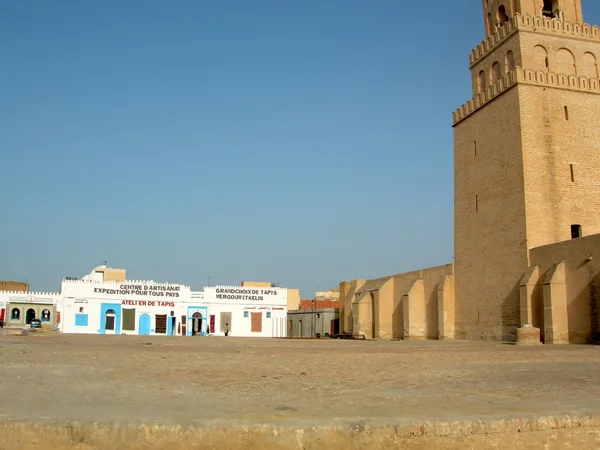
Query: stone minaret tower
{"x":527,"y":154}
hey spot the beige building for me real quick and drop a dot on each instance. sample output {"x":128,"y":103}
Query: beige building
{"x":14,"y":286}
{"x":527,"y":181}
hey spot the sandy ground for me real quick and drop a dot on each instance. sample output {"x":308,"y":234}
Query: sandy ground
{"x":215,"y":380}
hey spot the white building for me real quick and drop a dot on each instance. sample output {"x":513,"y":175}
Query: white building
{"x":246,"y":311}
{"x":94,"y":306}
{"x":129,"y":307}
{"x":104,"y":302}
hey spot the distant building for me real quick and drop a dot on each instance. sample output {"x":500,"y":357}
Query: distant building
{"x":10,"y":286}
{"x":318,"y":304}
{"x":313,"y":323}
{"x":106,"y":302}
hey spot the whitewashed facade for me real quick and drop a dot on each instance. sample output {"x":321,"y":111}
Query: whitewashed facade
{"x":246,"y":311}
{"x":149,"y":308}
{"x":93,"y":306}
{"x":130,"y":307}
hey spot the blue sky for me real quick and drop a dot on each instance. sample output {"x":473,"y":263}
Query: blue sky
{"x":300,"y":142}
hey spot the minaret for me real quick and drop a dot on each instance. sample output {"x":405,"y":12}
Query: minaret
{"x":526,"y":154}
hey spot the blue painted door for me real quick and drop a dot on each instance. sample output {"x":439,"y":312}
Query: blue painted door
{"x":144,"y":324}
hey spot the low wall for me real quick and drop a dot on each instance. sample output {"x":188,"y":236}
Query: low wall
{"x":578,"y":261}
{"x":552,"y":432}
{"x":403,"y":306}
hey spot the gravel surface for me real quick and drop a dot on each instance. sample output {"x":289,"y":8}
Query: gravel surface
{"x":212,"y":380}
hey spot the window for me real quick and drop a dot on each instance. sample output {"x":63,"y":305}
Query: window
{"x":81,"y":309}
{"x":81,"y":320}
{"x":246,"y":315}
{"x":481,"y":82}
{"x":575,"y":231}
{"x":15,"y":314}
{"x":475,"y":147}
{"x":268,"y":314}
{"x":510,"y":61}
{"x":572,"y":173}
{"x":502,"y":17}
{"x":549,"y":9}
{"x":46,"y":315}
{"x":566,"y":112}
{"x":496,"y":72}
{"x":476,"y":203}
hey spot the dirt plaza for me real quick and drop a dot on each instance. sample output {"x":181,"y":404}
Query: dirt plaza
{"x":223,"y":381}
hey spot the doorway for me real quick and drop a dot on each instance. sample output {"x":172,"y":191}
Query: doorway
{"x":196,"y":323}
{"x":173,"y":326}
{"x":145,"y":324}
{"x":109,"y":321}
{"x":29,"y":316}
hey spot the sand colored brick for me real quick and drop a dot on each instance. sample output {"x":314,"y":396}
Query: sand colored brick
{"x":527,"y":178}
{"x":14,"y":286}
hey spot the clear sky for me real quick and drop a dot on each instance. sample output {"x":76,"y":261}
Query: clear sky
{"x":300,"y":142}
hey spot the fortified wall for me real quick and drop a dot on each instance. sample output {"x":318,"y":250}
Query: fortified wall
{"x":14,"y":286}
{"x":561,"y":290}
{"x":412,"y":305}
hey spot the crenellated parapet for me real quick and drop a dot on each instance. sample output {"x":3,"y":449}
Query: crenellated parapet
{"x":487,"y":95}
{"x":245,"y":288}
{"x":28,"y":297}
{"x":29,"y":294}
{"x":525,"y":76}
{"x":126,"y":282}
{"x":537,"y":24}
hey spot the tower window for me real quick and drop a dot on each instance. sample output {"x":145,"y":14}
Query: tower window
{"x":476,"y":203}
{"x":502,"y":17}
{"x":575,"y":231}
{"x":475,"y":147}
{"x":566,"y":113}
{"x":550,"y":9}
{"x":572,"y":173}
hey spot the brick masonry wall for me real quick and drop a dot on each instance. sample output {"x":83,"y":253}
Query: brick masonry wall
{"x":555,"y":138}
{"x":14,"y":286}
{"x":490,"y":238}
{"x":582,"y":279}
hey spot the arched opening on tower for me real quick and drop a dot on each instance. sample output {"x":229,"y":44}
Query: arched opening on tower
{"x":510,"y":61}
{"x":481,"y":82}
{"x":502,"y":17}
{"x":550,"y":9}
{"x":496,"y":73}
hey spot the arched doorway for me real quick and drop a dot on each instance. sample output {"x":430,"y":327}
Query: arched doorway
{"x":15,"y":314}
{"x":144,"y":324}
{"x":109,"y":321}
{"x":29,"y":316}
{"x":196,"y":323}
{"x":46,"y":315}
